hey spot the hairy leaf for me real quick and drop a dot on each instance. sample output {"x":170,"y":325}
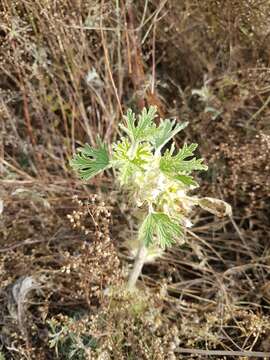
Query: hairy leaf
{"x":146,"y":231}
{"x":144,"y":128}
{"x":165,"y":132}
{"x":161,"y":226}
{"x":89,"y":161}
{"x":128,"y":163}
{"x":178,"y":167}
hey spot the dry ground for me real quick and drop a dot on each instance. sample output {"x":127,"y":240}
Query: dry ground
{"x":69,"y":70}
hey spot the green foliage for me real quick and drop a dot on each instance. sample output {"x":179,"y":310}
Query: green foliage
{"x":178,"y":167}
{"x":161,"y":226}
{"x":145,"y":127}
{"x":146,"y":130}
{"x":165,"y":132}
{"x":159,"y":183}
{"x":90,"y":161}
{"x":130,"y":160}
{"x":154,"y":179}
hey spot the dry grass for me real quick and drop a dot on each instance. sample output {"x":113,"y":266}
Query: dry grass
{"x":68,"y":70}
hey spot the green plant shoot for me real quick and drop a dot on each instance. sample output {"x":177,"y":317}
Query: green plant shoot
{"x":158,"y":180}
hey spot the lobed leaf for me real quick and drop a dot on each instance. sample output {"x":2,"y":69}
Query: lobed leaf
{"x":178,"y":167}
{"x":90,"y":161}
{"x":161,"y":226}
{"x":145,"y":127}
{"x":165,"y":132}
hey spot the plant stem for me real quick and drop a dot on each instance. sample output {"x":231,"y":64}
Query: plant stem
{"x":138,"y":265}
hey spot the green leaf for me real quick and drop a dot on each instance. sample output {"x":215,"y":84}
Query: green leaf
{"x":161,"y":226}
{"x":165,"y":132}
{"x":129,"y":163}
{"x":178,"y":167}
{"x":89,"y":161}
{"x":187,"y":180}
{"x":145,"y":127}
{"x":146,"y":231}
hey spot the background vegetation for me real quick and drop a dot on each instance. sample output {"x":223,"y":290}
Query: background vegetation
{"x":68,"y":71}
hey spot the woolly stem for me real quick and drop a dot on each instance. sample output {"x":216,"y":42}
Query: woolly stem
{"x":137,"y":268}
